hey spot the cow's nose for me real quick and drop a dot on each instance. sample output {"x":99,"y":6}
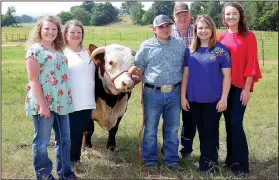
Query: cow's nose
{"x":123,"y":83}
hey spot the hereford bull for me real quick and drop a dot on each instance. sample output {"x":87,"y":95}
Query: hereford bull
{"x":113,"y":85}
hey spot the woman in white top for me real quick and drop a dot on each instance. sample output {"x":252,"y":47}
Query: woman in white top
{"x":82,"y":84}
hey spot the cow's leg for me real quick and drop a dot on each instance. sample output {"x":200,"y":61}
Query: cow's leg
{"x":87,"y":134}
{"x":111,"y":144}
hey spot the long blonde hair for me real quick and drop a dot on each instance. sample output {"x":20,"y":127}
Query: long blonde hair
{"x":35,"y":34}
{"x":196,"y":43}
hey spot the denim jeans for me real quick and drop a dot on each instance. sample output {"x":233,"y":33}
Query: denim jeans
{"x":207,"y":119}
{"x":237,"y":147}
{"x":41,"y":161}
{"x":79,"y":121}
{"x":188,"y":132}
{"x":168,"y":105}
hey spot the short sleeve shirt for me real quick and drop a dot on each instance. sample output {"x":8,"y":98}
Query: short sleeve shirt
{"x":205,"y":82}
{"x":54,"y":81}
{"x":161,"y":62}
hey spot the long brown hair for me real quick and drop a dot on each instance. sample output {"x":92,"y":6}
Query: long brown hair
{"x":35,"y":35}
{"x":73,"y":23}
{"x":196,"y":43}
{"x":242,"y":25}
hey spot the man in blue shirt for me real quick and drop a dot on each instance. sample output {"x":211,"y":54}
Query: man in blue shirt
{"x":159,"y":60}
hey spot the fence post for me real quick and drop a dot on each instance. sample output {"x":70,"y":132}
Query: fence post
{"x":262,"y":47}
{"x":19,"y":37}
{"x":12,"y":37}
{"x":120,"y":36}
{"x":7,"y":38}
{"x":25,"y":37}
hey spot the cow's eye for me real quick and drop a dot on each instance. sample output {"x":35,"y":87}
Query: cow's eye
{"x":111,"y":63}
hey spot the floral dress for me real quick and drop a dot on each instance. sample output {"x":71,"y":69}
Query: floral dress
{"x":53,"y":79}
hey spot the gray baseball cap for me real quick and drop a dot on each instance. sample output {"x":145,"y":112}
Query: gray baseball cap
{"x":161,"y":19}
{"x":180,"y":7}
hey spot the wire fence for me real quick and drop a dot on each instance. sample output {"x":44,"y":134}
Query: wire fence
{"x":267,"y":41}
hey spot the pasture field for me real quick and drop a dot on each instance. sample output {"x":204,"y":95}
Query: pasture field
{"x":261,"y":125}
{"x":123,"y":33}
{"x":261,"y":119}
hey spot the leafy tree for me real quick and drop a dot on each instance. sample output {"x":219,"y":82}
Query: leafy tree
{"x":211,"y":8}
{"x":148,"y":17}
{"x":137,"y":13}
{"x":163,"y":7}
{"x":65,"y":16}
{"x":9,"y":18}
{"x":127,"y":6}
{"x":103,"y":14}
{"x":88,"y":6}
{"x":80,"y":14}
{"x":26,"y":19}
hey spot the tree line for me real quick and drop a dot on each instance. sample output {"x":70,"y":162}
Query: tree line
{"x":261,"y":15}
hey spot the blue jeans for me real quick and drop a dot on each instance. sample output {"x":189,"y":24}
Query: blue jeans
{"x":237,"y":147}
{"x":168,"y":105}
{"x":41,"y":161}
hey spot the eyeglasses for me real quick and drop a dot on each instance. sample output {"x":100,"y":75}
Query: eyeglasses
{"x":164,"y":26}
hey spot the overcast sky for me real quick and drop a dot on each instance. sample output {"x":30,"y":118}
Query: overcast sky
{"x":52,"y":8}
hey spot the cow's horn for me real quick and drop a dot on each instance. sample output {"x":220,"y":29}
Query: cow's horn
{"x":97,"y":51}
{"x":133,"y":52}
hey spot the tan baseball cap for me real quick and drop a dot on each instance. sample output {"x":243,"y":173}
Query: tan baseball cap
{"x":180,"y":7}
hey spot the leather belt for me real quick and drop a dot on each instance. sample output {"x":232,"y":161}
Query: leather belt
{"x":164,"y":88}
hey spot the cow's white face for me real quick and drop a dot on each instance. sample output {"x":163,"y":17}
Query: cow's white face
{"x":117,"y":61}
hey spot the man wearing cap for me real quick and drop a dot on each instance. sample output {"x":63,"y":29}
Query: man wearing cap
{"x":184,"y":30}
{"x":159,"y":61}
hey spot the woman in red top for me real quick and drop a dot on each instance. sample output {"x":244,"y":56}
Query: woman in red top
{"x":245,"y":70}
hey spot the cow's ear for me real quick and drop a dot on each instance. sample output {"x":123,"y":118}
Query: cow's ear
{"x":94,"y":55}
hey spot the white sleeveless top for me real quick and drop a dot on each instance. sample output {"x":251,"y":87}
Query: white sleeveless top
{"x":82,"y":79}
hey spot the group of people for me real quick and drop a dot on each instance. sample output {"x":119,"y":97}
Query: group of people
{"x":218,"y":76}
{"x":183,"y":66}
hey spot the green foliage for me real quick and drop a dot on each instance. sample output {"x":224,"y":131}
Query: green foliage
{"x":80,"y":14}
{"x":9,"y":18}
{"x":210,"y":8}
{"x":148,"y":17}
{"x":127,"y":6}
{"x":163,"y":7}
{"x":26,"y":19}
{"x":103,"y":14}
{"x":65,"y":16}
{"x":137,"y":13}
{"x":88,"y":6}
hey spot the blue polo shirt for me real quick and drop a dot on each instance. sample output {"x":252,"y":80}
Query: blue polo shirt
{"x":205,"y":81}
{"x":161,"y":62}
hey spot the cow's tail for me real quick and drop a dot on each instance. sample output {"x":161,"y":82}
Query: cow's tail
{"x":141,"y":130}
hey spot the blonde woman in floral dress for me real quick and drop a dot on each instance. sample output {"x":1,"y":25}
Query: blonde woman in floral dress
{"x":49,"y":101}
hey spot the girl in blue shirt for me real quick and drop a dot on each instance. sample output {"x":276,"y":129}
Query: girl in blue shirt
{"x":205,"y":87}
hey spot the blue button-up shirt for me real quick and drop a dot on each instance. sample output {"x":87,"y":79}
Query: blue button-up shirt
{"x":161,"y":63}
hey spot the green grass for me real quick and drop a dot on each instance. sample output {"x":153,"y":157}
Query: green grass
{"x":261,"y":125}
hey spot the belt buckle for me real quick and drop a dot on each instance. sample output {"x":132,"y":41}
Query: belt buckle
{"x":166,"y":88}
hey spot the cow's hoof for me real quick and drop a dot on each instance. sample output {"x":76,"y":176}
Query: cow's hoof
{"x":111,"y":148}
